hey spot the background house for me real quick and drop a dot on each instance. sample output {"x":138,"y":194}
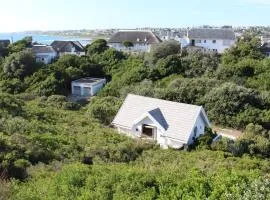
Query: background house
{"x":215,"y":39}
{"x":44,"y":54}
{"x":87,"y":87}
{"x":68,"y":47}
{"x":4,"y":47}
{"x":141,"y":40}
{"x":265,"y":48}
{"x":170,"y":124}
{"x":265,"y":38}
{"x":4,"y":43}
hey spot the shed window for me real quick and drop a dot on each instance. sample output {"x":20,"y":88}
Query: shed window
{"x":77,"y":90}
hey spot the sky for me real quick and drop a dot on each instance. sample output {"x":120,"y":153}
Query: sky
{"x":23,"y":15}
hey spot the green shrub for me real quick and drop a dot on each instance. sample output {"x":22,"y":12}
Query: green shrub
{"x":104,"y":108}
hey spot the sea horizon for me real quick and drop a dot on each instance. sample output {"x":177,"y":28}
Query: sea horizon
{"x":42,"y":38}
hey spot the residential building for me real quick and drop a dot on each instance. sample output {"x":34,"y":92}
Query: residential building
{"x":68,"y":47}
{"x":141,"y":40}
{"x":87,"y":87}
{"x":44,"y":54}
{"x":170,"y":124}
{"x":265,"y":48}
{"x":4,"y":47}
{"x":4,"y":43}
{"x":265,"y":38}
{"x":214,"y":39}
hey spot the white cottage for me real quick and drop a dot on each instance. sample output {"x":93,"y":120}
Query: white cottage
{"x":87,"y":87}
{"x":214,"y":39}
{"x":141,"y":40}
{"x":170,"y":124}
{"x":44,"y":54}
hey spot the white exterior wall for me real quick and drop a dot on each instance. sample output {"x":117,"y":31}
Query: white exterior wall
{"x":45,"y":58}
{"x":138,"y":47}
{"x":220,"y":45}
{"x":96,"y":88}
{"x":71,"y":53}
{"x":184,"y":42}
{"x":200,"y":124}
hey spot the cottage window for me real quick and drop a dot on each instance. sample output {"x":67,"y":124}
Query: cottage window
{"x":148,"y":130}
{"x":214,"y":41}
{"x":199,"y":41}
{"x":204,"y":41}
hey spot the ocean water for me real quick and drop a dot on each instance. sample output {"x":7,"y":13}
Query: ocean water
{"x":43,"y":39}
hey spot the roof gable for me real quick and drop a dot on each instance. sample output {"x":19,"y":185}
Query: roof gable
{"x":42,"y":49}
{"x":156,"y":117}
{"x":177,"y":119}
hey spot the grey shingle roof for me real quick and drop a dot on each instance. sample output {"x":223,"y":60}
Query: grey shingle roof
{"x":209,"y":33}
{"x":178,"y":119}
{"x":64,"y":46}
{"x":135,"y":37}
{"x":42,"y":49}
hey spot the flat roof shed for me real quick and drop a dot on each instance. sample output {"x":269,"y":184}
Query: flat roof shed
{"x":88,"y":86}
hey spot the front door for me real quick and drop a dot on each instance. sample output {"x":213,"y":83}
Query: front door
{"x":192,"y":42}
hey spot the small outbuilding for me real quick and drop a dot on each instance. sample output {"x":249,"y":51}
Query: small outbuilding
{"x":87,"y":87}
{"x":170,"y":124}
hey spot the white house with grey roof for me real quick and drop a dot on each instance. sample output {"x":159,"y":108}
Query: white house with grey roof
{"x":170,"y":124}
{"x":44,"y":54}
{"x":214,"y":39}
{"x":141,"y":40}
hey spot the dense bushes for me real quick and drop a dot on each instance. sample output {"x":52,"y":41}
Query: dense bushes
{"x":19,"y":65}
{"x":59,"y":101}
{"x":224,"y":103}
{"x":10,"y":105}
{"x":104,"y":108}
{"x":44,"y":139}
{"x":158,"y":174}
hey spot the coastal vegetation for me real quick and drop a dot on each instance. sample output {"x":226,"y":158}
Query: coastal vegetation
{"x":51,"y":148}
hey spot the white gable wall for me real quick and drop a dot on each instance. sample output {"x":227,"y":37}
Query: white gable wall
{"x":45,"y":58}
{"x":138,"y":47}
{"x":200,"y":124}
{"x":160,"y":137}
{"x":137,"y":129}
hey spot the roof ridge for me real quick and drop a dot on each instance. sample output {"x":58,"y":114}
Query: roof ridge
{"x":130,"y":94}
